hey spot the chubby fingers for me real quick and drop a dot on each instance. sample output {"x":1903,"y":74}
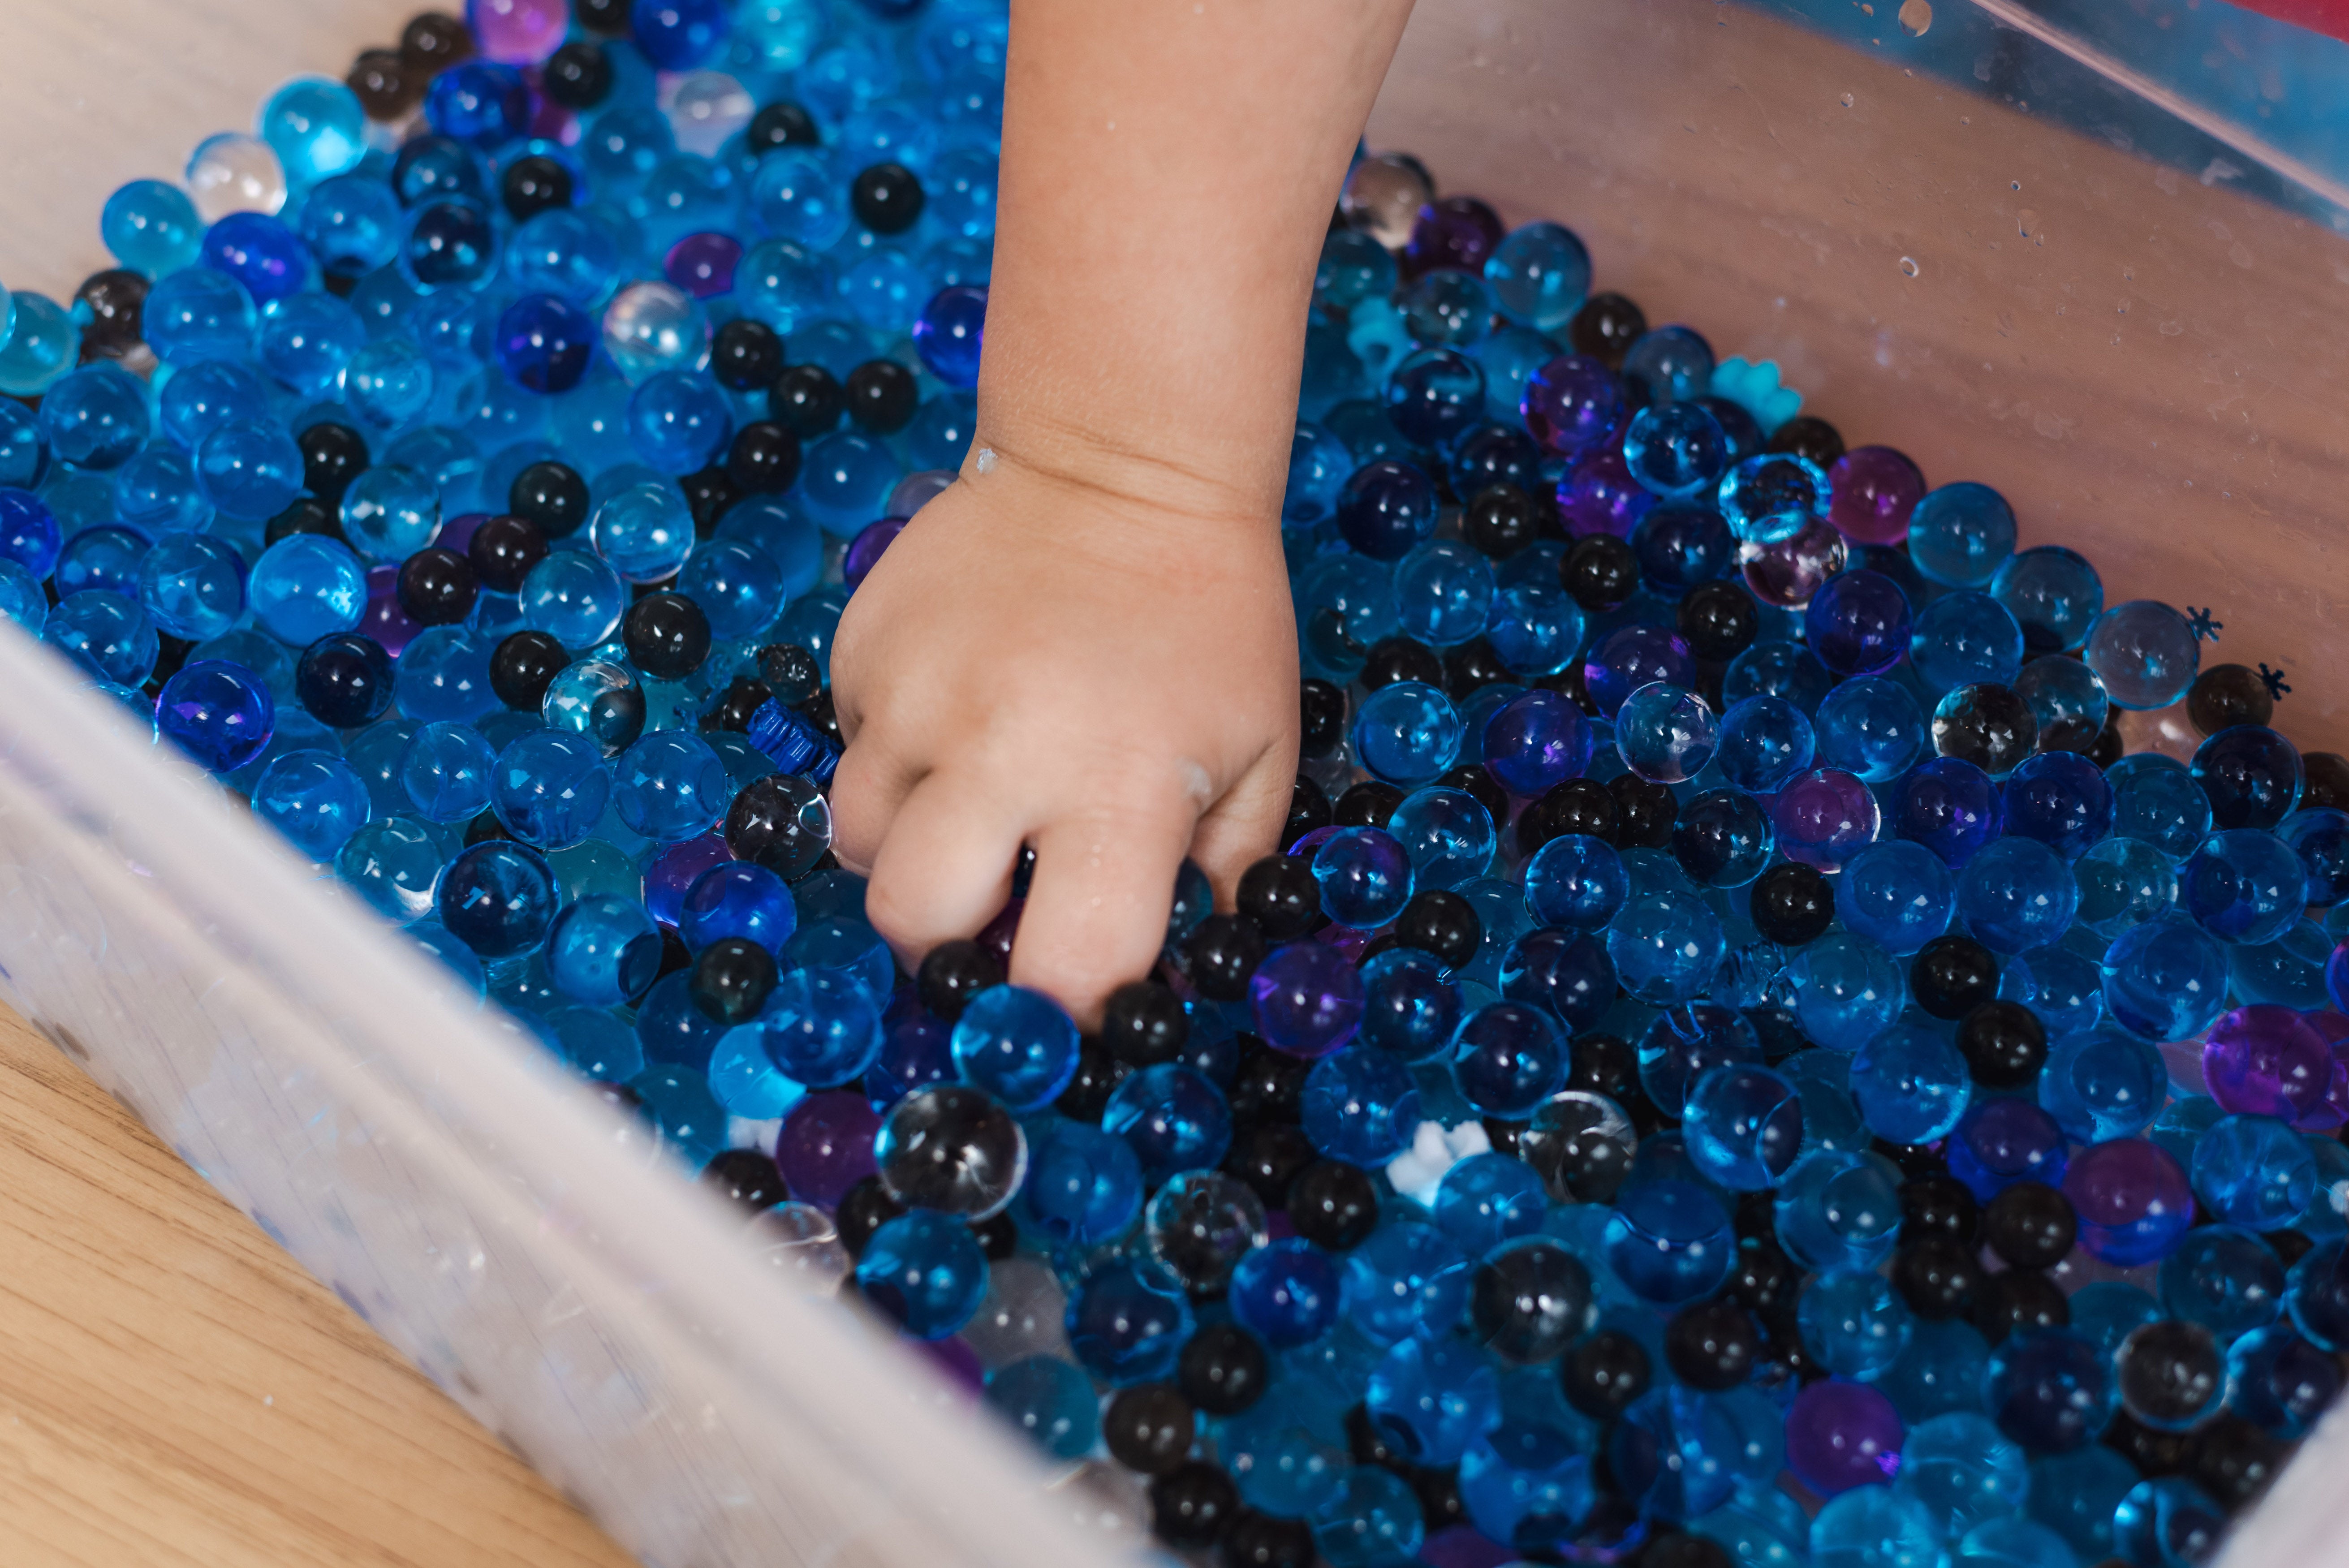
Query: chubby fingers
{"x":1244,"y":826}
{"x":943,"y":867}
{"x":1097,"y":907}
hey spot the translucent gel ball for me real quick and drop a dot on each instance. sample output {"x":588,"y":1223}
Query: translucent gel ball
{"x":924,"y":1271}
{"x":1507,"y":1059}
{"x":497,"y":898}
{"x":152,"y":227}
{"x":2166,"y":979}
{"x":2123,"y":883}
{"x":1773,"y":497}
{"x":2145,"y":653}
{"x":602,"y":950}
{"x":192,"y":315}
{"x":1675,"y":450}
{"x":2156,"y":800}
{"x":2068,"y":701}
{"x":1743,"y":1126}
{"x":1669,"y":1241}
{"x":1910,"y":1083}
{"x":1765,"y":741}
{"x":2102,"y":1083}
{"x":1577,"y":881}
{"x":2243,"y":886}
{"x":2053,"y":594}
{"x":2254,"y":1171}
{"x":1360,"y":1106}
{"x":2267,"y":1061}
{"x":1840,"y":1210}
{"x":1965,"y":639}
{"x":1408,"y":733}
{"x":1535,"y":741}
{"x":1629,"y":657}
{"x":306,"y":585}
{"x":1960,"y":534}
{"x":679,"y":421}
{"x":94,"y":417}
{"x":2059,"y":799}
{"x":1664,"y":946}
{"x":192,"y":586}
{"x":250,"y":469}
{"x":645,"y":532}
{"x":389,"y":512}
{"x":1447,"y":833}
{"x":233,"y":172}
{"x":650,"y":327}
{"x":670,"y":785}
{"x":1364,"y":876}
{"x":219,"y":714}
{"x":1824,"y":818}
{"x":1666,"y":734}
{"x":2251,"y":776}
{"x":1307,"y":999}
{"x":2017,"y":895}
{"x":1018,"y":1045}
{"x":1898,"y":894}
{"x":1411,"y":1005}
{"x":1859,"y":624}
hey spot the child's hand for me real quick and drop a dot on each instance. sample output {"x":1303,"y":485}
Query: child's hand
{"x":1051,"y":660}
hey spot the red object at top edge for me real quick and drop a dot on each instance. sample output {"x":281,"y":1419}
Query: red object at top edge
{"x":2328,"y":16}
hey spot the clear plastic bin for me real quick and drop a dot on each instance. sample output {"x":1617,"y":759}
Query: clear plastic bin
{"x":2004,"y":244}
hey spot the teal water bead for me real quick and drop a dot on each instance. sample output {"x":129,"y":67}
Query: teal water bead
{"x":845,"y":480}
{"x":192,"y":586}
{"x":1448,"y":835}
{"x":391,"y":863}
{"x":602,"y":950}
{"x":1898,"y":894}
{"x":2167,"y":1522}
{"x":1960,"y":534}
{"x":1431,"y":1395}
{"x":679,"y":421}
{"x":152,"y":227}
{"x":2123,"y":883}
{"x":1854,"y":1322}
{"x":1847,"y":990}
{"x":574,"y":597}
{"x":2157,"y":799}
{"x":1743,"y":1124}
{"x":315,"y":127}
{"x":1840,"y":1210}
{"x":1372,"y":1519}
{"x":645,"y":532}
{"x":444,"y":674}
{"x":2224,"y":1278}
{"x":306,"y":585}
{"x":1939,"y":1373}
{"x":1965,"y":639}
{"x":2254,"y":1171}
{"x":1772,"y":497}
{"x":390,"y":513}
{"x":250,"y":469}
{"x":670,"y":785}
{"x":2075,"y":1495}
{"x":2145,"y":653}
{"x":2017,"y":895}
{"x":1875,"y":1527}
{"x":306,"y":341}
{"x":96,"y":418}
{"x":2243,"y":886}
{"x":1408,"y":733}
{"x":1871,"y":728}
{"x":1576,"y":880}
{"x":2066,"y":700}
{"x":1444,"y":592}
{"x":1539,"y":275}
{"x":41,"y":344}
{"x":104,"y":633}
{"x":192,"y":315}
{"x":445,"y":771}
{"x":1405,"y":1278}
{"x":2102,"y":1083}
{"x":549,"y":788}
{"x":314,"y":799}
{"x":924,"y":1271}
{"x":1669,"y":1241}
{"x":389,"y":383}
{"x":1051,"y":1400}
{"x":1665,"y":945}
{"x":1910,"y":1082}
{"x":2053,"y":594}
{"x":2165,"y":979}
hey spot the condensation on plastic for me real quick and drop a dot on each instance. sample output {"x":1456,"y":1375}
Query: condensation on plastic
{"x":448,"y":1181}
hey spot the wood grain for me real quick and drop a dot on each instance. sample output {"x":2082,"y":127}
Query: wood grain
{"x":176,"y":1393}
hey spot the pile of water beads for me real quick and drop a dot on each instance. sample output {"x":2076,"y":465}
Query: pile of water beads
{"x":1731,"y":1065}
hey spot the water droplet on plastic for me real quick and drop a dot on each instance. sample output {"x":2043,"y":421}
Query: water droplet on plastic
{"x":1909,"y":266}
{"x":1916,"y":15}
{"x":1847,"y":100}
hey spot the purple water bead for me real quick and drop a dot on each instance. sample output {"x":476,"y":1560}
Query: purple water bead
{"x":2267,"y":1061}
{"x":703,"y":264}
{"x":1859,"y":624}
{"x":865,"y":550}
{"x":1601,"y":497}
{"x":674,"y":871}
{"x":385,"y":619}
{"x":1535,"y":741}
{"x":1841,"y":1435}
{"x":1572,"y":405}
{"x":948,"y":333}
{"x":2133,"y":1200}
{"x":544,"y":343}
{"x":1825,"y":817}
{"x":1629,"y":657}
{"x":1454,"y":235}
{"x":1872,"y":491}
{"x":826,"y":1145}
{"x":1790,"y":572}
{"x":517,"y":32}
{"x":1998,"y":1142}
{"x":1308,"y":998}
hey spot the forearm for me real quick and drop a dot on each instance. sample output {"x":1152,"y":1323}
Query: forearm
{"x":1169,"y":166}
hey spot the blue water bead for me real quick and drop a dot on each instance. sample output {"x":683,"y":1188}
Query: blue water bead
{"x":392,"y":864}
{"x":738,"y":586}
{"x":545,"y":343}
{"x":2319,"y":835}
{"x":1939,"y":1374}
{"x":1127,"y":1324}
{"x":1965,"y":639}
{"x":1364,"y":876}
{"x":2076,"y":1494}
{"x":389,"y":383}
{"x":22,"y":598}
{"x":1385,"y":508}
{"x":444,"y":674}
{"x":260,"y":253}
{"x":1874,"y":1527}
{"x":1578,"y":880}
{"x":95,"y":417}
{"x":1360,"y":1106}
{"x":1723,"y":838}
{"x":1406,"y":1279}
{"x":1675,"y":449}
{"x":2053,"y":594}
{"x":1964,"y":1469}
{"x":1854,"y":1322}
{"x":563,"y":254}
{"x":2102,"y":1083}
{"x":24,"y":454}
{"x":1669,"y":1241}
{"x":575,"y":596}
{"x":29,"y":532}
{"x":1318,"y":465}
{"x":1443,"y":592}
{"x":1778,"y":669}
{"x":1535,"y":628}
{"x":2252,"y":776}
{"x":734,"y":898}
{"x":598,"y":699}
{"x":2165,"y":979}
{"x":1539,"y":276}
{"x":1507,"y":1058}
{"x":104,"y":558}
{"x":219,"y":714}
{"x":2288,"y":970}
{"x":313,"y":799}
{"x":1407,"y":733}
{"x":1859,"y":624}
{"x":1840,"y":1210}
{"x":352,"y":224}
{"x":2016,"y":894}
{"x":1762,"y":742}
{"x":1372,"y":1517}
{"x":450,"y":244}
{"x":308,"y":340}
{"x":482,"y":103}
{"x":822,"y":1026}
{"x":108,"y":635}
{"x":2254,"y":1171}
{"x":2224,"y":1278}
{"x":1847,"y":990}
{"x":1950,"y":807}
{"x":1634,"y":656}
{"x":1665,"y":733}
{"x":1050,"y":1399}
{"x":1565,"y":973}
{"x":1960,"y":534}
{"x":549,"y":788}
{"x":1083,"y":1185}
{"x":1680,"y":544}
{"x":1773,"y":496}
{"x":2000,"y":1141}
{"x":2049,"y":1389}
{"x":1898,"y":894}
{"x":2145,"y":653}
{"x":1287,"y":1293}
{"x":2066,"y":700}
{"x":152,"y":227}
{"x":250,"y":469}
{"x":1430,"y":1398}
{"x":1667,"y":362}
{"x":2060,"y":798}
{"x":1535,"y":741}
{"x":678,"y":420}
{"x":1435,"y":395}
{"x":948,"y":333}
{"x":1016,"y":1044}
{"x":1910,"y":1082}
{"x":1493,"y":454}
{"x":645,"y":532}
{"x":2243,"y":886}
{"x":2156,"y":799}
{"x":671,"y":1026}
{"x":497,"y":898}
{"x":389,"y":512}
{"x":431,"y":166}
{"x":1411,"y":1007}
{"x":1743,"y":1126}
{"x":1664,"y":946}
{"x":924,"y":1271}
{"x":446,"y":772}
{"x":1447,"y":833}
{"x":670,"y":785}
{"x":2280,"y":1382}
{"x":845,"y":481}
{"x":1488,"y":1199}
{"x":1174,"y":1116}
{"x":196,"y":314}
{"x":602,"y":950}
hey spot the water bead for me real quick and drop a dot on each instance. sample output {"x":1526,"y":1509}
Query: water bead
{"x":1898,"y":894}
{"x":94,"y":417}
{"x":2254,"y":1171}
{"x":2224,"y":1278}
{"x":305,"y":586}
{"x":221,"y":715}
{"x":2102,"y":1083}
{"x":2144,"y":652}
{"x":1669,"y":1241}
{"x":1664,"y":946}
{"x":1364,"y":876}
{"x":1407,"y":733}
{"x":2016,"y":894}
{"x":1665,"y":734}
{"x":1675,"y":449}
{"x":2251,"y":776}
{"x":1763,"y":741}
{"x":1723,"y":838}
{"x":1506,"y":1059}
{"x":1083,"y":1186}
{"x":1859,"y":624}
{"x":2165,"y":979}
{"x":1772,"y":497}
{"x":1824,"y":818}
{"x":231,"y":173}
{"x":1631,"y":657}
{"x":924,"y":1271}
{"x":1578,"y":880}
{"x":1965,"y":639}
{"x":1448,"y":835}
{"x":2243,"y":886}
{"x":1743,"y":1126}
